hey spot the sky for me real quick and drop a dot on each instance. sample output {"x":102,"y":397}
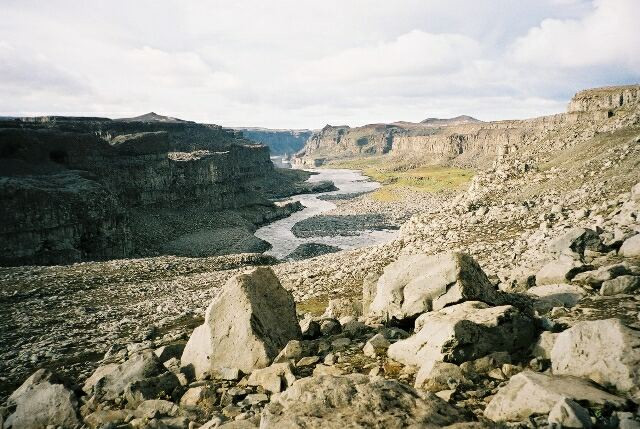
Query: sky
{"x":304,"y":64}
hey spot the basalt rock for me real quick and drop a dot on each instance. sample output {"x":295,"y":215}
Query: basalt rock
{"x":245,"y":327}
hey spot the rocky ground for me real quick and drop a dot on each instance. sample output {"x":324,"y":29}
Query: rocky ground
{"x":515,"y":303}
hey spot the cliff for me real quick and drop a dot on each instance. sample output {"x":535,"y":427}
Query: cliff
{"x":461,"y":140}
{"x":280,"y":142}
{"x":77,"y":189}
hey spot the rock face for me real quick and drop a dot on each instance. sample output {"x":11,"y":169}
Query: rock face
{"x":43,"y":400}
{"x":418,"y":283}
{"x":470,"y":142}
{"x":77,"y":189}
{"x":606,"y":351}
{"x":355,"y":400}
{"x":531,"y":393}
{"x":246,"y":326}
{"x":280,"y":142}
{"x":464,"y":332}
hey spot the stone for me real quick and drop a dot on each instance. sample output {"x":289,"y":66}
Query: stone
{"x":621,"y":284}
{"x":486,"y":363}
{"x":353,"y":328}
{"x":438,"y":376}
{"x":308,"y":361}
{"x":194,"y":395}
{"x":376,"y":346}
{"x":253,"y":399}
{"x":274,"y":378}
{"x":341,"y":307}
{"x":138,"y":367}
{"x":415,"y":284}
{"x":544,"y":345}
{"x":153,"y":407}
{"x":529,"y":393}
{"x":330,"y":327}
{"x":605,"y":351}
{"x":167,"y":352}
{"x":595,"y":278}
{"x":155,"y":387}
{"x":355,"y":400}
{"x":567,"y":413}
{"x":564,"y":295}
{"x":340,"y":344}
{"x":327,"y":370}
{"x":310,"y":328}
{"x":245,"y":326}
{"x":43,"y":400}
{"x":369,"y":284}
{"x":559,"y":271}
{"x":230,"y":374}
{"x":109,"y":418}
{"x":294,"y":350}
{"x":100,"y":372}
{"x":464,"y":332}
{"x":575,"y":241}
{"x":631,"y":247}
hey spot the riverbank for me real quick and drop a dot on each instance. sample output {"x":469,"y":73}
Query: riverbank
{"x":311,"y":226}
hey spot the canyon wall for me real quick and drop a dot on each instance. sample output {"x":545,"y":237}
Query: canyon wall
{"x":280,"y":142}
{"x":78,"y":189}
{"x":471,"y":143}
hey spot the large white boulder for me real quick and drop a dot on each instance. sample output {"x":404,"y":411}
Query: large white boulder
{"x":43,"y":401}
{"x":110,"y":381}
{"x":464,"y":332}
{"x":606,"y":351}
{"x":355,"y":400}
{"x":415,"y":284}
{"x":529,"y":393}
{"x":631,"y":247}
{"x":245,"y":326}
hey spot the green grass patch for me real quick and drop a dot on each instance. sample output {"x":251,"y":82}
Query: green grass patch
{"x":315,"y":306}
{"x":396,"y":174}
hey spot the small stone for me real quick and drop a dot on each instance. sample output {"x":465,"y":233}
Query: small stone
{"x":567,"y":413}
{"x":308,"y":361}
{"x":376,"y":346}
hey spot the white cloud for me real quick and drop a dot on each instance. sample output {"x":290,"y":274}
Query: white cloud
{"x":608,"y":36}
{"x":287,"y":63}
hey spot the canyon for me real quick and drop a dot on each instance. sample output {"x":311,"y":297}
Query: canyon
{"x":507,"y":299}
{"x":77,"y":189}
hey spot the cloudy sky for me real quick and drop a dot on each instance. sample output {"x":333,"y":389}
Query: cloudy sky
{"x":304,"y":63}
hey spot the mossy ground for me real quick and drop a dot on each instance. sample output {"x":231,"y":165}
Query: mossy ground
{"x":395,"y":175}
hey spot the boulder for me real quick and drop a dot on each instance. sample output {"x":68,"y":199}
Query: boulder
{"x":567,"y":413}
{"x":542,"y":348}
{"x":110,"y":418}
{"x":295,"y":350}
{"x":195,"y":395}
{"x":167,"y":352}
{"x":621,"y":284}
{"x":41,"y":401}
{"x":631,"y":247}
{"x":310,"y":328}
{"x":605,"y":351}
{"x":274,"y":378}
{"x":355,"y":400}
{"x":112,"y":382}
{"x":376,"y":346}
{"x":155,"y":407}
{"x":529,"y":393}
{"x":464,"y":332}
{"x":415,"y":284}
{"x":558,"y":295}
{"x":559,"y":271}
{"x":341,"y":307}
{"x":245,"y":326}
{"x":595,"y":278}
{"x":369,"y":284}
{"x":438,"y":376}
{"x":156,"y":387}
{"x":575,"y":241}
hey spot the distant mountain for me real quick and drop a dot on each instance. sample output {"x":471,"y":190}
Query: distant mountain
{"x":438,"y":122}
{"x":280,"y":141}
{"x":152,"y":117}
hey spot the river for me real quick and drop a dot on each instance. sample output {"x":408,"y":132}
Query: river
{"x":279,"y":234}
